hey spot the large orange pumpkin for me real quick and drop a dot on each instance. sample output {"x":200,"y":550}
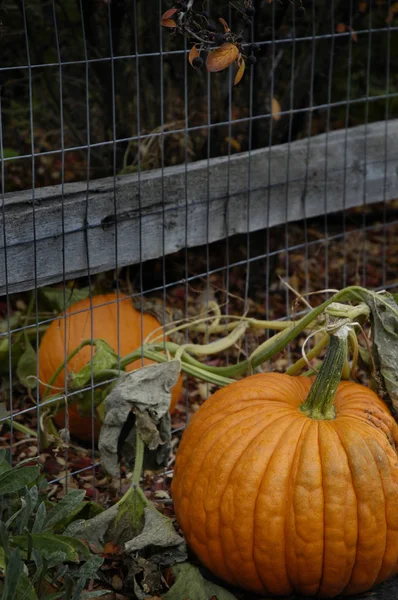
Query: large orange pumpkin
{"x":105,"y":318}
{"x":277,"y":502}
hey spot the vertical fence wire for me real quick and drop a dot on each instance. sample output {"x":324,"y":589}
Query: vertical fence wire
{"x":34,"y":296}
{"x":218,"y":268}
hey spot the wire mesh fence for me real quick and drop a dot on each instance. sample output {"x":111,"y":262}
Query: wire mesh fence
{"x":100,"y":89}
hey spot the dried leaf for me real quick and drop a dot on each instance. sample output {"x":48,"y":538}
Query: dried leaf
{"x":146,"y":390}
{"x":166,"y":20}
{"x":221,"y":58}
{"x":194,"y":53}
{"x":385,"y":343}
{"x":392,"y":12}
{"x":276,"y":109}
{"x":168,"y":23}
{"x":233,"y":142}
{"x":240,"y":72}
{"x":224,"y":24}
{"x":353,"y":34}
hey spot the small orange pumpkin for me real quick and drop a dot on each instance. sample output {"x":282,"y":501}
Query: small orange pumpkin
{"x":104,"y":317}
{"x":278,"y":502}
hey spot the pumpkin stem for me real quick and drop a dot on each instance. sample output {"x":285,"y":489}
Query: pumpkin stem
{"x":319,"y":403}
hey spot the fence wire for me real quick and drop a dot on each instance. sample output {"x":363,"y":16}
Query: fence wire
{"x":90,"y":90}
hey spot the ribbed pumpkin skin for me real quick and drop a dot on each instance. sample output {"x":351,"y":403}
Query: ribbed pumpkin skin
{"x":105,"y":326}
{"x":275,"y":502}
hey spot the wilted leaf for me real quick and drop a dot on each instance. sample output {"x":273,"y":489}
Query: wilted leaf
{"x":158,"y":530}
{"x":189,"y":583}
{"x":384,"y":318}
{"x":135,"y":524}
{"x":27,"y":367}
{"x":276,"y":109}
{"x":221,"y":58}
{"x":240,"y":72}
{"x":194,"y":53}
{"x":166,"y":20}
{"x":149,"y":391}
{"x":119,"y":523}
{"x":224,"y":24}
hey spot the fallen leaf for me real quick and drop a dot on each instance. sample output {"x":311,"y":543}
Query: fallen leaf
{"x":194,"y":53}
{"x":276,"y":109}
{"x":221,"y":58}
{"x":240,"y":71}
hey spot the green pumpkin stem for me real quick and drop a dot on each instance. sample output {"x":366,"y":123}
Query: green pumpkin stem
{"x":319,"y":403}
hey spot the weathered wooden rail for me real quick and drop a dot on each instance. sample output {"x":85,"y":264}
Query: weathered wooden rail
{"x":100,"y":227}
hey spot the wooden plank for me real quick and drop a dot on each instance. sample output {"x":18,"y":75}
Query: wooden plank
{"x":77,"y":230}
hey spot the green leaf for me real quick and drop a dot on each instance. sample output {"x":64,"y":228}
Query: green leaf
{"x":13,"y":574}
{"x":56,"y":297}
{"x":40,"y":518}
{"x":27,"y":367}
{"x":104,"y":358}
{"x":16,"y":479}
{"x":189,"y":583}
{"x":84,"y":511}
{"x":10,"y":153}
{"x":62,"y":509}
{"x":25,"y":589}
{"x":4,"y":463}
{"x":51,"y":543}
{"x":89,"y":570}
